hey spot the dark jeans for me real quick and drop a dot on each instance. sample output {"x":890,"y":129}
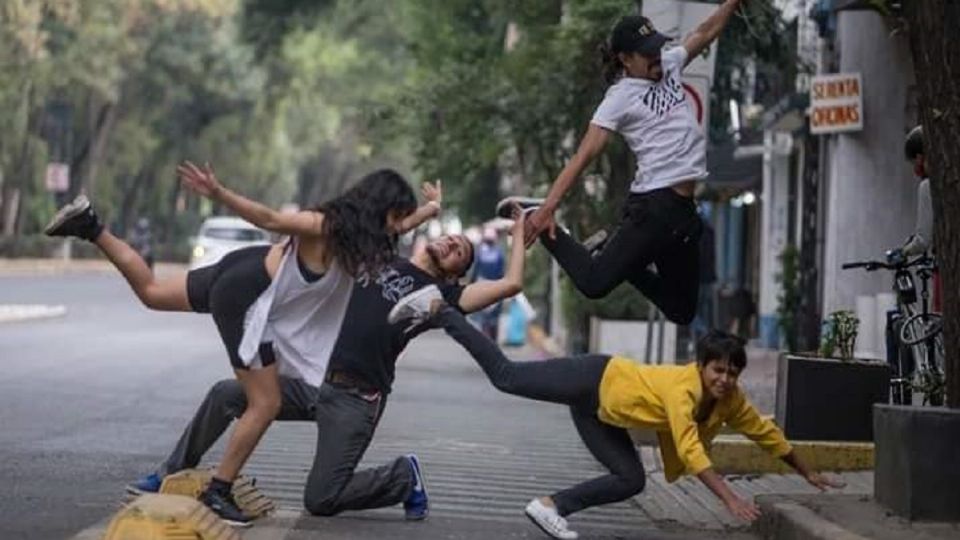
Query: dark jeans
{"x":346,"y":420}
{"x":659,"y":227}
{"x":575,"y":382}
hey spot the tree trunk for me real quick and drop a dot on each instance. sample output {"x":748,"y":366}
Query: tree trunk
{"x":84,"y":165}
{"x":936,"y":56}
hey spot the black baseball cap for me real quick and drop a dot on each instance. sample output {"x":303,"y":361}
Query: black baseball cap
{"x":635,"y":33}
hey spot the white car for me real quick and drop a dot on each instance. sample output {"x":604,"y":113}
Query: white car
{"x":221,"y":235}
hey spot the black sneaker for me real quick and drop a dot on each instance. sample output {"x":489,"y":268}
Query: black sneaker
{"x":505,"y":206}
{"x":595,"y":242}
{"x":76,"y":219}
{"x":223,"y":505}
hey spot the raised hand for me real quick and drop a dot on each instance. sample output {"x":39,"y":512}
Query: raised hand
{"x":433,"y":193}
{"x":538,"y":222}
{"x":201,"y":181}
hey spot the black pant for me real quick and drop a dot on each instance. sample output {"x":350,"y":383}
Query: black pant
{"x":226,"y":290}
{"x":346,"y":420}
{"x":575,"y":382}
{"x":659,"y":227}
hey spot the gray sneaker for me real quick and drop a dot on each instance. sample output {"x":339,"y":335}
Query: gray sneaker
{"x":416,"y":307}
{"x":527,"y":204}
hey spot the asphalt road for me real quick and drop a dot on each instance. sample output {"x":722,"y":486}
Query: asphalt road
{"x":95,"y":399}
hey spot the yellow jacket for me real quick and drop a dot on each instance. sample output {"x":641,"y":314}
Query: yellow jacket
{"x":665,"y":399}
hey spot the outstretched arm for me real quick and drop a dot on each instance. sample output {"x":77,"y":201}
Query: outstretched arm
{"x":204,"y":182}
{"x":708,"y":30}
{"x":741,"y":508}
{"x":591,"y":145}
{"x":745,"y":419}
{"x":481,"y":294}
{"x":429,"y":210}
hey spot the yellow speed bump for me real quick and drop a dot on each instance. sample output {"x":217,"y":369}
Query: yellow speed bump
{"x":737,"y":455}
{"x":168,"y":517}
{"x":192,"y":482}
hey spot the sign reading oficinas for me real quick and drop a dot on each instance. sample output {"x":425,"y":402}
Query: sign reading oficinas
{"x":836,"y":103}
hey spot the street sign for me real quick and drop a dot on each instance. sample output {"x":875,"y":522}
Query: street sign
{"x":58,"y":177}
{"x":836,"y":103}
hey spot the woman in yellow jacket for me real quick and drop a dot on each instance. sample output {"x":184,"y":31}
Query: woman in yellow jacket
{"x":685,"y":405}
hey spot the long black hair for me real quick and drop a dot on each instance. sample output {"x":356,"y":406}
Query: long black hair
{"x":610,"y":65}
{"x":355,"y":223}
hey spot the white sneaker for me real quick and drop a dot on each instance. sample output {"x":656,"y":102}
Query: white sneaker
{"x":415,"y":307}
{"x":549,"y":521}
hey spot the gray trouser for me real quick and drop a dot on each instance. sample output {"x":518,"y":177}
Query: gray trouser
{"x":346,"y":420}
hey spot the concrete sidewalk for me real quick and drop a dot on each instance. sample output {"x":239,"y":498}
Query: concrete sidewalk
{"x":841,"y":517}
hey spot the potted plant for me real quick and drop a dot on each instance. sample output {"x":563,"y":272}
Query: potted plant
{"x":828,"y":395}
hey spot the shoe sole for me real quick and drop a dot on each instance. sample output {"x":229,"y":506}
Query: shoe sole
{"x":505,"y":211}
{"x":423,"y":487}
{"x":237,"y":524}
{"x":69,"y":211}
{"x":541,"y":527}
{"x":131,"y":490}
{"x":394,"y":316}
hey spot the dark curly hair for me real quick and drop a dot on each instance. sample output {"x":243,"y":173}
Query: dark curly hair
{"x":719,"y":345}
{"x":355,"y":223}
{"x":610,"y":65}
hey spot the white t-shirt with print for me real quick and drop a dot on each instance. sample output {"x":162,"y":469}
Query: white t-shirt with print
{"x":659,"y":124}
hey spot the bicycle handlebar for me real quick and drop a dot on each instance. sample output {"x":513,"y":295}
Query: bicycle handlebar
{"x":869,"y":265}
{"x":875,"y":265}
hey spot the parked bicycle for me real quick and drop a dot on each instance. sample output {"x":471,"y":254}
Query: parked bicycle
{"x":914,"y":334}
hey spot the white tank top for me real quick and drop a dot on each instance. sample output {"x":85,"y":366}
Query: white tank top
{"x":301,"y":318}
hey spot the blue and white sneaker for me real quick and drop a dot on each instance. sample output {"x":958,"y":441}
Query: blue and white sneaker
{"x":148,"y":484}
{"x":417,"y":505}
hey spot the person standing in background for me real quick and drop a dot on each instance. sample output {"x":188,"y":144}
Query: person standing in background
{"x":704,"y":320}
{"x":490,"y":265}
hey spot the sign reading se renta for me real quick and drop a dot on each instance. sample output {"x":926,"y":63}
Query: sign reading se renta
{"x":836,"y":103}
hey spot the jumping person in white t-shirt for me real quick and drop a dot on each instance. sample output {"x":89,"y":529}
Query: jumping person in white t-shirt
{"x":645,"y":104}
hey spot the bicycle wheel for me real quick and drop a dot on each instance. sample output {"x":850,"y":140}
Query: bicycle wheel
{"x":901,"y":381}
{"x":921,"y":327}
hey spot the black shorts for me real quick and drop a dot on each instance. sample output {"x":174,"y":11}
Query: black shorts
{"x":226,"y":290}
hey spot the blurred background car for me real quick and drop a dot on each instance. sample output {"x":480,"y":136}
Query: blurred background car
{"x":221,"y":235}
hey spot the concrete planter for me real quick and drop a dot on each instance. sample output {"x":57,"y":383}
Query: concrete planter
{"x":917,"y":470}
{"x":823,"y":399}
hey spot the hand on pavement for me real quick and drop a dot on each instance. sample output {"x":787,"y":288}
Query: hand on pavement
{"x":742,"y":509}
{"x":821,"y":482}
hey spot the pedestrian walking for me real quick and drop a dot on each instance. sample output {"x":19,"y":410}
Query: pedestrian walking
{"x":490,"y":265}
